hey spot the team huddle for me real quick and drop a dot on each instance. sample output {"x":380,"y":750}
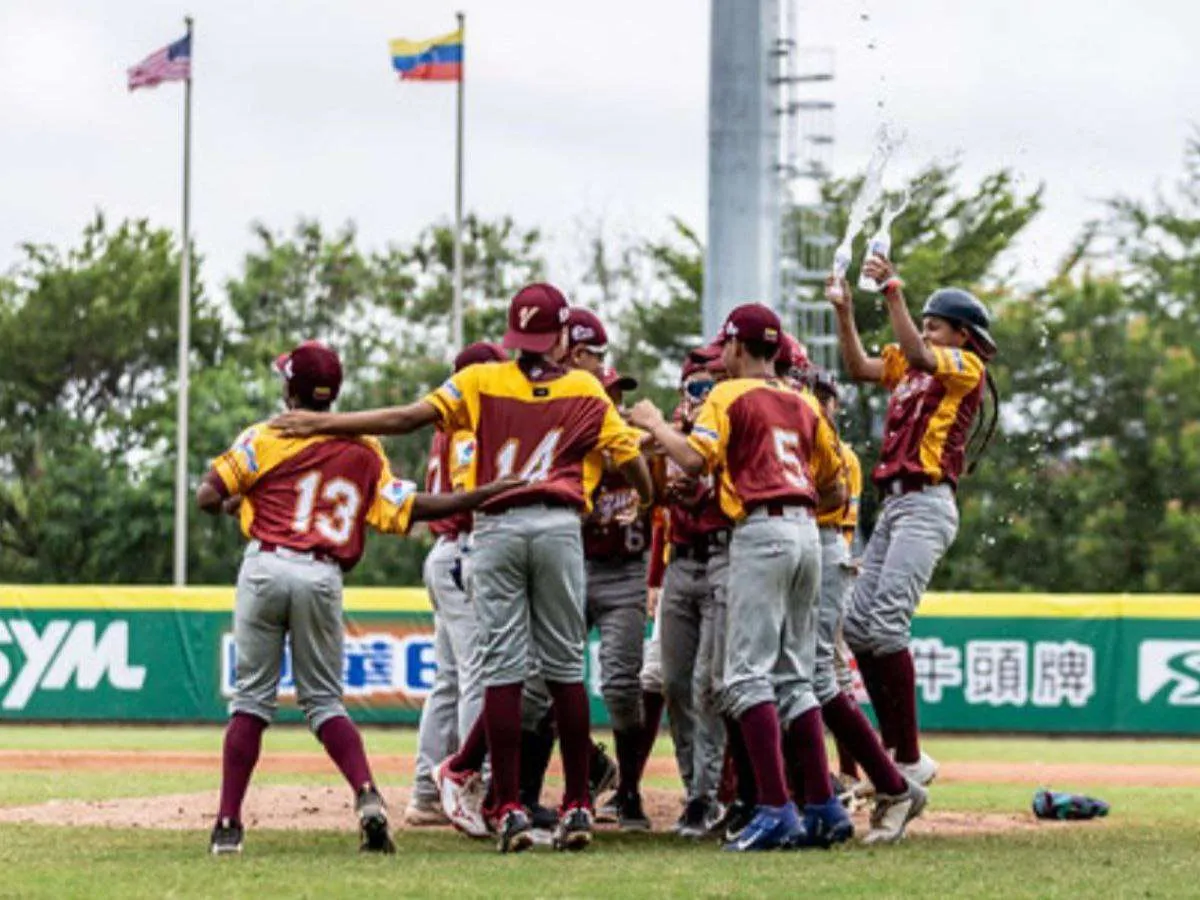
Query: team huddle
{"x":557,"y":509}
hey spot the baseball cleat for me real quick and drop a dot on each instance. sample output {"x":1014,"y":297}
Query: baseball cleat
{"x":602,"y":772}
{"x":609,"y":811}
{"x":851,"y":792}
{"x":372,"y":822}
{"x":227,"y":836}
{"x":923,"y":771}
{"x":771,"y":828}
{"x":515,"y":832}
{"x":737,"y":816}
{"x":630,"y":814}
{"x":700,"y":817}
{"x":574,"y":830}
{"x":462,"y":799}
{"x":425,"y":814}
{"x":893,"y":813}
{"x":826,"y":824}
{"x":543,"y":817}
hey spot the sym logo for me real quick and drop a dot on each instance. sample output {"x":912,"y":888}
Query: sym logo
{"x":1169,"y":664}
{"x":64,"y":650}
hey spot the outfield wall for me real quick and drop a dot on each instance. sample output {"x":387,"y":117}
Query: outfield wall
{"x":985,"y":662}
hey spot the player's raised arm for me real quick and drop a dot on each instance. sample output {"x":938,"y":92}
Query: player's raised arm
{"x":908,"y":335}
{"x":859,"y":365}
{"x":387,"y":420}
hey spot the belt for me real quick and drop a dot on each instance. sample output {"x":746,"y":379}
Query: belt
{"x":614,"y":559}
{"x":521,"y":503}
{"x":780,"y":510}
{"x":291,"y":553}
{"x":848,"y":532}
{"x":697,"y":552}
{"x":896,"y":487}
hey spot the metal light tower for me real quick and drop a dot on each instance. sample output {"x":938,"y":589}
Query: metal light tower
{"x":742,"y":257}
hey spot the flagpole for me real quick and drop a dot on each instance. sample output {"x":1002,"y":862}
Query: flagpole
{"x":185,"y":320}
{"x":457,"y":342}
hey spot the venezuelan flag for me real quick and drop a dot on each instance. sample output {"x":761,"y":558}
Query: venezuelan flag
{"x":438,"y":59}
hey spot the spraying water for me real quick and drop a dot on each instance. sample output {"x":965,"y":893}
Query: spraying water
{"x":868,"y":196}
{"x":881,"y":243}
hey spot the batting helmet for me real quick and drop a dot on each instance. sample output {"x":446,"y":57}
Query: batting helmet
{"x":963,"y":309}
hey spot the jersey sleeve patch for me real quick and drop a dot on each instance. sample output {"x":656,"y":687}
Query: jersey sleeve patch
{"x":397,"y":491}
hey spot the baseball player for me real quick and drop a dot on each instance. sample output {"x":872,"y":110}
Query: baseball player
{"x":453,"y":704}
{"x":689,"y":616}
{"x":616,"y":537}
{"x":527,"y":581}
{"x":897,"y":801}
{"x":780,"y":465}
{"x":936,"y":375}
{"x":304,"y":504}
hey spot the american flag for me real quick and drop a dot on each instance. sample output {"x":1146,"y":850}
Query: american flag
{"x":172,"y":63}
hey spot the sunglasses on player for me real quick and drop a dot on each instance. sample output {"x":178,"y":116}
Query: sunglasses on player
{"x":698,"y":389}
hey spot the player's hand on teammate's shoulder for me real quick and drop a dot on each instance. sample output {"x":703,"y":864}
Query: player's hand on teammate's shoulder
{"x":508,"y":483}
{"x":646,"y":415}
{"x":298,"y":423}
{"x":879,"y":268}
{"x":232,"y":505}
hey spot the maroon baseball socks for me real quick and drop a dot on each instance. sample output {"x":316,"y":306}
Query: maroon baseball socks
{"x":502,"y":720}
{"x":807,"y":734}
{"x":243,"y":743}
{"x":344,"y":745}
{"x":761,"y":736}
{"x":573,"y":719}
{"x":898,"y":678}
{"x":851,"y":729}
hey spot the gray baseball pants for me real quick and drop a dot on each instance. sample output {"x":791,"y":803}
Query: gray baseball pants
{"x":687,"y":618}
{"x":457,"y":696}
{"x":711,"y":652}
{"x":616,"y":606}
{"x":288,"y":595}
{"x":771,"y":616}
{"x":528,"y":588}
{"x":836,"y":582}
{"x":911,"y":535}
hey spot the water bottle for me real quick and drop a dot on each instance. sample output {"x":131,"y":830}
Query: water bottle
{"x":879,"y":245}
{"x":841,"y":261}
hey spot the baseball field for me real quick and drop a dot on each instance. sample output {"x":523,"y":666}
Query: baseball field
{"x":124,"y":812}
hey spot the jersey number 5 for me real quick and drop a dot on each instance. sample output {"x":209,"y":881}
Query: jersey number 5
{"x":787,"y":446}
{"x":335,"y":526}
{"x":537,"y":467}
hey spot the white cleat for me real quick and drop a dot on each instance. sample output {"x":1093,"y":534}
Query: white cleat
{"x":462,"y":799}
{"x":923,"y":771}
{"x":893,"y":813}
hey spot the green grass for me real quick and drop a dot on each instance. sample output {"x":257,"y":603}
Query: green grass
{"x":1145,"y":848}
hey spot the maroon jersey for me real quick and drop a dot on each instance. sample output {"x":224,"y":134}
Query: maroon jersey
{"x":604,"y":538}
{"x":929,"y":415}
{"x":701,"y":515}
{"x":438,"y":481}
{"x":313,"y":494}
{"x":538,"y":422}
{"x":772,"y":444}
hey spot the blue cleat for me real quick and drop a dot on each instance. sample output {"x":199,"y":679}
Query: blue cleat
{"x":826,"y":824}
{"x":772,"y":828}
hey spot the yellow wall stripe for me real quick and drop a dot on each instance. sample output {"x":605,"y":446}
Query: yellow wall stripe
{"x":937,"y":605}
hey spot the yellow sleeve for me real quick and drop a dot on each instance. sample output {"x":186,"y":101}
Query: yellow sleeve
{"x":391,"y":513}
{"x":957,"y":368}
{"x":622,"y":443}
{"x":710,"y":434}
{"x":240,"y":466}
{"x":895,"y":366}
{"x":462,"y":461}
{"x":854,"y":486}
{"x":451,"y":400}
{"x":825,"y":463}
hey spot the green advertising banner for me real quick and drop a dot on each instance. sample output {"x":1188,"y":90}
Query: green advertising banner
{"x":1036,"y":663}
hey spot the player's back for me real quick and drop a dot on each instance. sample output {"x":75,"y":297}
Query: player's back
{"x":307,"y":494}
{"x":540,"y":422}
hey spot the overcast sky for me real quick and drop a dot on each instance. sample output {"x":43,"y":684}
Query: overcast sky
{"x":575,"y":112}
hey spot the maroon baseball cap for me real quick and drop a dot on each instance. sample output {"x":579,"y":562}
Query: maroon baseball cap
{"x":312,"y":371}
{"x":479,"y":352}
{"x":583,"y":327}
{"x":792,"y":355}
{"x":752,"y":322}
{"x":611,"y":378}
{"x":700,"y":360}
{"x":536,"y":317}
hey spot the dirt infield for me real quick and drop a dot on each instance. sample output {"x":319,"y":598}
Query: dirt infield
{"x":320,"y":807}
{"x":401,"y":766}
{"x":292,"y":808}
